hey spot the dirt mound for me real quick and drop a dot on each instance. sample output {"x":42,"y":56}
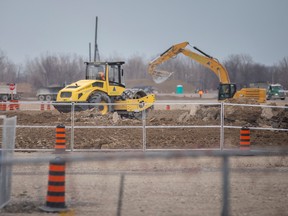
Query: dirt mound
{"x":281,"y":119}
{"x":91,"y":136}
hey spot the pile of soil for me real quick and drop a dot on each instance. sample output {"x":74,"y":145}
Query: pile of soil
{"x":127,"y":137}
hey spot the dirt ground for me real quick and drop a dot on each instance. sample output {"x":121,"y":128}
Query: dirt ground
{"x":159,"y":186}
{"x":187,"y":186}
{"x":162,"y":137}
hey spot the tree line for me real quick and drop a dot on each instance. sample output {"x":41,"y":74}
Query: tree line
{"x":48,"y":70}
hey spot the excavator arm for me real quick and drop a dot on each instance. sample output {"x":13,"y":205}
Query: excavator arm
{"x":207,"y":61}
{"x":160,"y":76}
{"x":225,"y":90}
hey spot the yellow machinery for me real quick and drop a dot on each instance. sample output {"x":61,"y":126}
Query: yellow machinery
{"x":104,"y":89}
{"x":226,"y":89}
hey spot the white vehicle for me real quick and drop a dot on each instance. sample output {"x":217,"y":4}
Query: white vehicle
{"x":48,"y":93}
{"x":8,"y":92}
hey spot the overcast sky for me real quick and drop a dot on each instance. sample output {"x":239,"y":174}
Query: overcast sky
{"x":30,"y":28}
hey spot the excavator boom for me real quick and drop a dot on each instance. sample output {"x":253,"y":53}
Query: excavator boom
{"x":160,"y":76}
{"x":204,"y":59}
{"x":211,"y":63}
{"x":226,"y":89}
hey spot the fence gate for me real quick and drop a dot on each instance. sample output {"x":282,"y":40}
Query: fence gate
{"x":7,"y":143}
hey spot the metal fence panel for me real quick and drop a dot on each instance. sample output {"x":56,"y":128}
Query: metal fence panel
{"x":8,"y":143}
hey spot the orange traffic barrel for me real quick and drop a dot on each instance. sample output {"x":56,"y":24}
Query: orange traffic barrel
{"x":42,"y":107}
{"x":14,"y":105}
{"x":55,"y":199}
{"x":3,"y":106}
{"x":60,"y":144}
{"x":11,"y":106}
{"x":245,"y":138}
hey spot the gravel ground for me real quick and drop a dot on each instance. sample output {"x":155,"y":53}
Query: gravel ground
{"x":173,"y":186}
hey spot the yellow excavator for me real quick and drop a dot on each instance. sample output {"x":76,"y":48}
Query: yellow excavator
{"x":104,"y":90}
{"x":226,"y":88}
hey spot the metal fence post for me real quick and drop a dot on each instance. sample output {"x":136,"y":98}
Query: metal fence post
{"x":222,"y":126}
{"x":225,"y":169}
{"x":144,"y":129}
{"x":72,"y":126}
{"x":121,"y":192}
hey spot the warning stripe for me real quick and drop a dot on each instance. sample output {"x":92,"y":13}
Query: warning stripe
{"x":53,"y":188}
{"x":245,"y":143}
{"x":60,"y":134}
{"x":56,"y":178}
{"x":53,"y":199}
{"x":57,"y":167}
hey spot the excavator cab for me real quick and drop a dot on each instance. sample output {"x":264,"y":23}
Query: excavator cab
{"x":226,"y":91}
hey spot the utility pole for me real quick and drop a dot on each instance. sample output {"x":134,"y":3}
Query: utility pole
{"x":89,"y":52}
{"x":96,"y":51}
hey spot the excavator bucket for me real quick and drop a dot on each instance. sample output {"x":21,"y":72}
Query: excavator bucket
{"x":160,"y":76}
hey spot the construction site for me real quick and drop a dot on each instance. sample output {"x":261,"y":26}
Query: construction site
{"x":103,"y":149}
{"x":98,"y":147}
{"x":169,"y":162}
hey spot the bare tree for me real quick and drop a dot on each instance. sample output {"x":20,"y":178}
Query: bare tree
{"x":8,"y":70}
{"x":55,"y":70}
{"x":280,"y":74}
{"x":244,"y":71}
{"x":239,"y":68}
{"x":48,"y":70}
{"x":136,"y":68}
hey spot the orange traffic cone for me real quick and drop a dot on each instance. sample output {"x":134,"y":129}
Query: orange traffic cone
{"x":245,"y":138}
{"x":60,"y":145}
{"x":55,"y":199}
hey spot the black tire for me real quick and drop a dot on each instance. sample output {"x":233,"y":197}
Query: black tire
{"x":48,"y":98}
{"x":102,"y":99}
{"x":41,"y":97}
{"x":5,"y":98}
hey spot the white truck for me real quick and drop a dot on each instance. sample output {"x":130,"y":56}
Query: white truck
{"x":48,"y":93}
{"x":8,"y":92}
